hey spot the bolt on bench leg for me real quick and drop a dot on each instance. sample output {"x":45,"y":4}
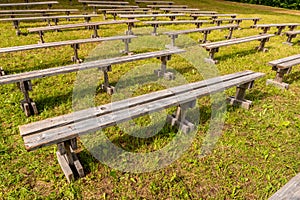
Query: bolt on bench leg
{"x":162,"y":72}
{"x":239,"y":98}
{"x":278,"y":80}
{"x":68,"y":159}
{"x":105,"y":86}
{"x":178,"y":119}
{"x":27,"y":105}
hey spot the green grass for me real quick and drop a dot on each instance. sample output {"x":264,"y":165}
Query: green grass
{"x":257,"y":153}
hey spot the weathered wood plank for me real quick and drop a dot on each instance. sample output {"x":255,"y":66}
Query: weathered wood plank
{"x":69,"y":26}
{"x":150,"y":15}
{"x":63,"y":43}
{"x":28,"y":4}
{"x":37,"y":11}
{"x":235,"y":41}
{"x":48,"y":17}
{"x":290,"y":191}
{"x":200,"y":30}
{"x":282,"y":60}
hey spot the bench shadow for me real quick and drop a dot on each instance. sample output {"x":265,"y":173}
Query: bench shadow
{"x":292,"y":77}
{"x":51,"y":102}
{"x":237,"y":54}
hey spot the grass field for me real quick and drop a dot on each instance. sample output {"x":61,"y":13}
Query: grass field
{"x":257,"y":153}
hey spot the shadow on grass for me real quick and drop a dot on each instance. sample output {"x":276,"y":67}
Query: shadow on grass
{"x":238,"y":54}
{"x":292,"y":77}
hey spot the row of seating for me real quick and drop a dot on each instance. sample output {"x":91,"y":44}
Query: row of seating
{"x":63,"y":130}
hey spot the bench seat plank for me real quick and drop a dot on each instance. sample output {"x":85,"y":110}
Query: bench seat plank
{"x":28,"y":4}
{"x":104,"y":2}
{"x":62,"y":43}
{"x":37,"y":11}
{"x":68,"y":26}
{"x":150,"y":15}
{"x":62,"y":133}
{"x":236,"y":41}
{"x":282,"y":60}
{"x":289,"y":64}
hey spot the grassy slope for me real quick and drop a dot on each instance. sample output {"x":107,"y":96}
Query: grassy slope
{"x":257,"y":153}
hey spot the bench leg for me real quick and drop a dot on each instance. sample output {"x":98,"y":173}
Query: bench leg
{"x":126,"y":50}
{"x":173,"y":38}
{"x":205,"y":35}
{"x":95,"y":29}
{"x":162,"y":72}
{"x":229,"y":36}
{"x":265,"y":30}
{"x":129,"y":29}
{"x":278,"y":80}
{"x":114,"y":15}
{"x":289,"y":39}
{"x":238,"y":22}
{"x":2,"y":72}
{"x":104,"y":15}
{"x":105,"y":86}
{"x":87,"y":19}
{"x":239,"y":98}
{"x":279,"y":31}
{"x":261,"y":47}
{"x":68,"y":159}
{"x":211,"y":57}
{"x":198,"y":24}
{"x":155,"y":26}
{"x":17,"y":27}
{"x":27,"y":105}
{"x":41,"y":35}
{"x":178,"y":119}
{"x":55,"y":20}
{"x":75,"y":58}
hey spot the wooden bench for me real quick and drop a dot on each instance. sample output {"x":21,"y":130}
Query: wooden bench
{"x":105,"y":11}
{"x":93,"y":25}
{"x":214,"y":46}
{"x":154,"y":16}
{"x":166,"y":6}
{"x":153,"y":2}
{"x":36,"y":11}
{"x":219,"y":21}
{"x":95,"y":6}
{"x":283,"y":66}
{"x":64,"y":130}
{"x":291,"y":35}
{"x":49,"y":3}
{"x":156,"y":24}
{"x":86,"y":2}
{"x":174,"y":34}
{"x":55,"y":19}
{"x":132,"y":12}
{"x":24,"y":79}
{"x":187,"y":11}
{"x":73,"y":43}
{"x":212,"y":15}
{"x":280,"y":27}
{"x":290,"y":191}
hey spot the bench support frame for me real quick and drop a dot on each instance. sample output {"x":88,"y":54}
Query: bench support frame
{"x":178,"y":119}
{"x":162,"y":72}
{"x":239,"y":98}
{"x":105,"y":86}
{"x":27,"y":105}
{"x":68,"y":159}
{"x":278,"y":80}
